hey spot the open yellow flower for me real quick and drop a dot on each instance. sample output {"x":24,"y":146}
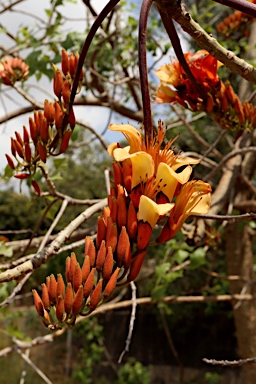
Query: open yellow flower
{"x":194,"y":198}
{"x":148,"y":214}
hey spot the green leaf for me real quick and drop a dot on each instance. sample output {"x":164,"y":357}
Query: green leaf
{"x":180,"y":256}
{"x":162,"y":269}
{"x":197,"y":258}
{"x":4,"y":250}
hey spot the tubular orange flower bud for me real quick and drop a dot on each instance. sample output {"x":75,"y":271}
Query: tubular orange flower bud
{"x":112,"y":203}
{"x":88,"y":285}
{"x":106,"y":214}
{"x":22,"y":176}
{"x":13,"y":149}
{"x":68,"y":301}
{"x":42,"y":151}
{"x":101,"y":231}
{"x":73,"y":261}
{"x":111,"y":234}
{"x":127,"y":175}
{"x":25,"y":135}
{"x":36,"y":120}
{"x":49,"y":112}
{"x":111,"y":283}
{"x":77,"y":277}
{"x":64,"y":62}
{"x":122,"y":246}
{"x":101,"y":255}
{"x":136,"y":265}
{"x":38,"y":303}
{"x":18,"y":148}
{"x":57,"y":81}
{"x":224,"y":103}
{"x":19,"y":138}
{"x":96,"y":295}
{"x":60,"y":286}
{"x":44,"y":130}
{"x":27,"y":151}
{"x":118,"y":175}
{"x":108,"y":265}
{"x":121,"y":211}
{"x":90,"y":250}
{"x":209,"y":103}
{"x":33,"y":130}
{"x":239,"y":109}
{"x":46,"y":320}
{"x":86,"y":268}
{"x":144,"y":234}
{"x":60,"y":308}
{"x":229,"y":92}
{"x":10,"y":161}
{"x":48,"y":282}
{"x":65,"y":141}
{"x":72,"y":118}
{"x":36,"y":187}
{"x":78,"y":301}
{"x":45,"y":297}
{"x":67,"y":271}
{"x":52,"y":289}
{"x":72,"y":65}
{"x":58,"y":117}
{"x":66,"y":91}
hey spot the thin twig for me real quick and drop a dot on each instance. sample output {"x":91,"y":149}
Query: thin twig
{"x":32,"y":365}
{"x":131,"y":325}
{"x":228,"y":363}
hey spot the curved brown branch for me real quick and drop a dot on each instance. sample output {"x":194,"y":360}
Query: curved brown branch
{"x":177,"y":11}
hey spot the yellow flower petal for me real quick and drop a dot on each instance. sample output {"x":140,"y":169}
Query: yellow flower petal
{"x":142,"y":167}
{"x":132,"y":135}
{"x":167,"y":179}
{"x":149,"y":211}
{"x":180,"y":161}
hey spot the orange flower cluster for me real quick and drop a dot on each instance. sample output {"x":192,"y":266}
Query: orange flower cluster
{"x":13,"y":69}
{"x":50,"y":130}
{"x":237,"y":21}
{"x":216,"y":99}
{"x":148,"y":184}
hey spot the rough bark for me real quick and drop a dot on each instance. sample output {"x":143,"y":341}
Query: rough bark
{"x":240,"y":262}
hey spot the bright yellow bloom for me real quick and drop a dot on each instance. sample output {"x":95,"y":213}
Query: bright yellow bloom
{"x":149,"y":211}
{"x":194,"y":198}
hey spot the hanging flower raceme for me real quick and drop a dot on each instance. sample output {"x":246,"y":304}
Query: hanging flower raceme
{"x":49,"y":130}
{"x":216,"y":99}
{"x":13,"y":69}
{"x":148,"y":184}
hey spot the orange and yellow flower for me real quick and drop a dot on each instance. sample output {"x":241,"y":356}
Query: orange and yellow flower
{"x":13,"y":69}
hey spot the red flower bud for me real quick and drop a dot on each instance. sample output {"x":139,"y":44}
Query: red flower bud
{"x":38,"y":303}
{"x":96,"y":295}
{"x":77,"y":277}
{"x":60,"y":285}
{"x":64,"y":62}
{"x":10,"y":161}
{"x":86,"y":268}
{"x":111,"y":283}
{"x":66,"y":91}
{"x":90,"y":250}
{"x":60,"y":308}
{"x":65,"y":141}
{"x":57,"y":82}
{"x":68,"y":301}
{"x":136,"y":265}
{"x":45,"y":297}
{"x":88,"y":285}
{"x":36,"y":187}
{"x":78,"y":301}
{"x":108,"y":264}
{"x":25,"y":135}
{"x":101,"y":255}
